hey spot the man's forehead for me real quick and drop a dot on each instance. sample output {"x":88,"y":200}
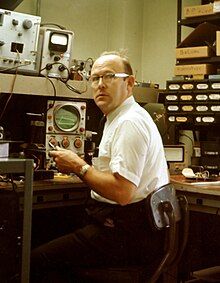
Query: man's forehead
{"x":108,"y":60}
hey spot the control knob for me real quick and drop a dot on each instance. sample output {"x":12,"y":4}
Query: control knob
{"x":27,"y":24}
{"x":77,"y":143}
{"x":15,"y":22}
{"x":65,"y":142}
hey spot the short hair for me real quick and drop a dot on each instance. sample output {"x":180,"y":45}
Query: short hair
{"x":124,"y":58}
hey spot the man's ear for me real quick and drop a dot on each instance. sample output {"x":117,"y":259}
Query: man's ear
{"x":131,"y":81}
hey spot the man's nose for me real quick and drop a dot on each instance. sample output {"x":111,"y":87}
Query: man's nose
{"x":101,"y":82}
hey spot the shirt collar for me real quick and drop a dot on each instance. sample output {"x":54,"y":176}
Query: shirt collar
{"x":129,"y":101}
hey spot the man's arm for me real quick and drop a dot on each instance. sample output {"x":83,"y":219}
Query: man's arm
{"x":111,"y":186}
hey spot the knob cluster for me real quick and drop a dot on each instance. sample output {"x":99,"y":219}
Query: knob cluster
{"x":26,"y":24}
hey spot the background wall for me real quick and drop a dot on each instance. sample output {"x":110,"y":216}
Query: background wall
{"x":147,"y":29}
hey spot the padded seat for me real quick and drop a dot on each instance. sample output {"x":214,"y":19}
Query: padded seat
{"x":168,"y":212}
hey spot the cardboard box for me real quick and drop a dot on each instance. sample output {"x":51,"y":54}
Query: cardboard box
{"x":194,"y":69}
{"x":217,"y":43}
{"x":193,"y":52}
{"x":201,"y":10}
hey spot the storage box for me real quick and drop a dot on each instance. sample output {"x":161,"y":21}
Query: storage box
{"x":193,"y":52}
{"x":217,"y":43}
{"x":194,"y":69}
{"x":201,"y":10}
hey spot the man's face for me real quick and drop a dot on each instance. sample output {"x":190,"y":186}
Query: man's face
{"x":109,"y":96}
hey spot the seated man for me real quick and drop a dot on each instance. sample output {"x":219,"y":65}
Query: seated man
{"x":130,"y":165}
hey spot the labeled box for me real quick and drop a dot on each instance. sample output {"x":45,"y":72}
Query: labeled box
{"x":193,"y":52}
{"x":201,"y":10}
{"x":194,"y":69}
{"x":217,"y":43}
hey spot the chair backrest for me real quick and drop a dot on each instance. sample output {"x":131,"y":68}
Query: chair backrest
{"x":169,"y":212}
{"x":159,"y":203}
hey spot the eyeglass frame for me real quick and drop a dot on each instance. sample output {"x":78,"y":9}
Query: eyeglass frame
{"x":112,"y":76}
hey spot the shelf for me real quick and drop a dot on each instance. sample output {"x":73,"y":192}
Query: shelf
{"x":210,"y":60}
{"x":195,"y":21}
{"x":41,"y":86}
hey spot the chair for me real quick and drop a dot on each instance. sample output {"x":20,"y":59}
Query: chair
{"x":168,"y":212}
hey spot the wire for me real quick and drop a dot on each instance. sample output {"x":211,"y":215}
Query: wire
{"x":54,"y":91}
{"x":72,"y":88}
{"x":63,"y":80}
{"x":10,"y":96}
{"x":53,"y":24}
{"x":15,"y":67}
{"x":57,"y":63}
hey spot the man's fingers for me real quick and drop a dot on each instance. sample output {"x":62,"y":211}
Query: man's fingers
{"x":52,"y":153}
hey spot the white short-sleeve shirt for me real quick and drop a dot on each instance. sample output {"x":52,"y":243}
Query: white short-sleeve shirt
{"x":131,"y":146}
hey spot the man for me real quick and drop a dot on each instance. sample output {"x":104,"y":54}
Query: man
{"x":130,"y":165}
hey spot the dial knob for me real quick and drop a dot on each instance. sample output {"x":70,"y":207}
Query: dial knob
{"x":15,"y":22}
{"x":27,"y":24}
{"x":53,"y":141}
{"x":65,"y":142}
{"x":77,"y":143}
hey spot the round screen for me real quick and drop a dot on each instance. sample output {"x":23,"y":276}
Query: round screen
{"x":67,"y":118}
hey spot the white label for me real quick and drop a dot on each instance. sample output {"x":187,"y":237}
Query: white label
{"x":174,"y":86}
{"x":216,"y":85}
{"x":201,"y":97}
{"x":171,"y":97}
{"x":173,"y":107}
{"x":215,"y":108}
{"x":202,"y":108}
{"x":214,"y":96}
{"x":202,"y":86}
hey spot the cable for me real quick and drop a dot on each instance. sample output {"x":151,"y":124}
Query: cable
{"x":15,"y":67}
{"x":63,"y":80}
{"x":10,"y":96}
{"x":53,"y":24}
{"x":72,"y":88}
{"x":57,"y":63}
{"x":54,"y":91}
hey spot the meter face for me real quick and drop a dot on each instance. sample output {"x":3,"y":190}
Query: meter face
{"x":58,"y":42}
{"x":61,"y":39}
{"x":67,"y":118}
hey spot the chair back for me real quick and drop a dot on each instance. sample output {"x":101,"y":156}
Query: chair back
{"x":160,"y":200}
{"x":169,"y":212}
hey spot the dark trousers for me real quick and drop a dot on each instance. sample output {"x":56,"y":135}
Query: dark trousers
{"x":114,"y":235}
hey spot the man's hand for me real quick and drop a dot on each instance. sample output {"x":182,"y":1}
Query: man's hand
{"x":67,"y":161}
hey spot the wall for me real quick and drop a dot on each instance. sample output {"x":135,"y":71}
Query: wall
{"x":147,"y":29}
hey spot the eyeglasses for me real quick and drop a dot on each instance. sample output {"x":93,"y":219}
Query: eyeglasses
{"x":106,"y":78}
